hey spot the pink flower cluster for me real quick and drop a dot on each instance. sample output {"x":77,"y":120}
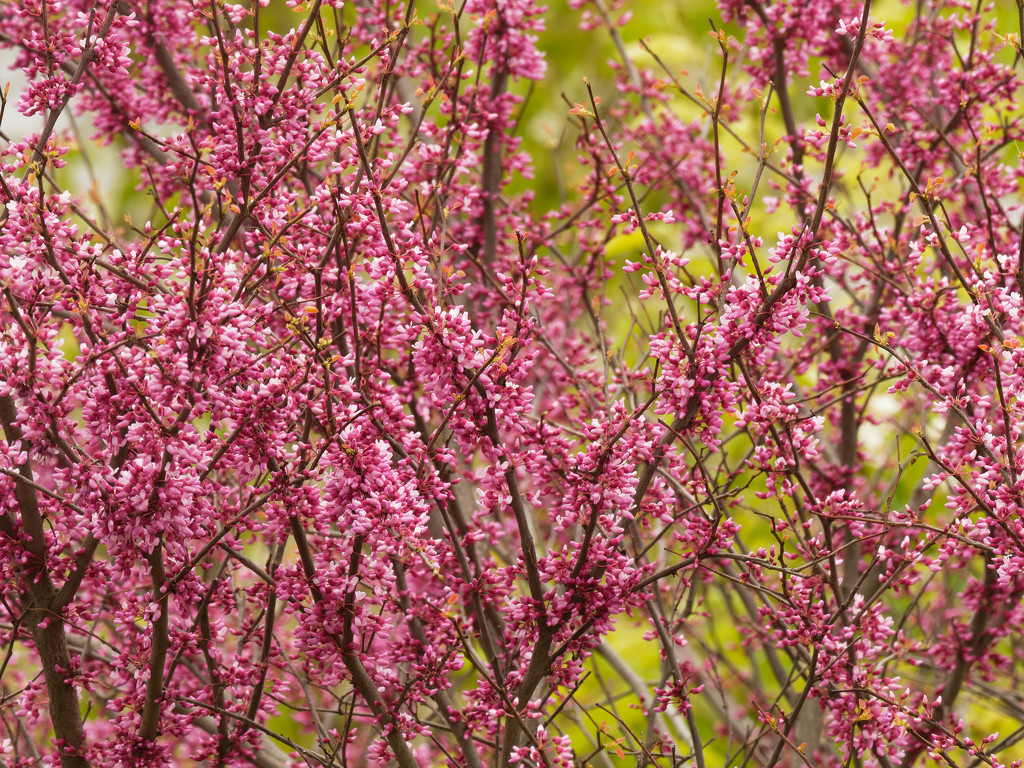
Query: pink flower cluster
{"x":355,"y":444}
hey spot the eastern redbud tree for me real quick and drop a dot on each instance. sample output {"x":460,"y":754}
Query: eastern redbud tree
{"x":364,"y":447}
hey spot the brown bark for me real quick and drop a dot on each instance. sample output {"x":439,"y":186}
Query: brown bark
{"x":39,"y":603}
